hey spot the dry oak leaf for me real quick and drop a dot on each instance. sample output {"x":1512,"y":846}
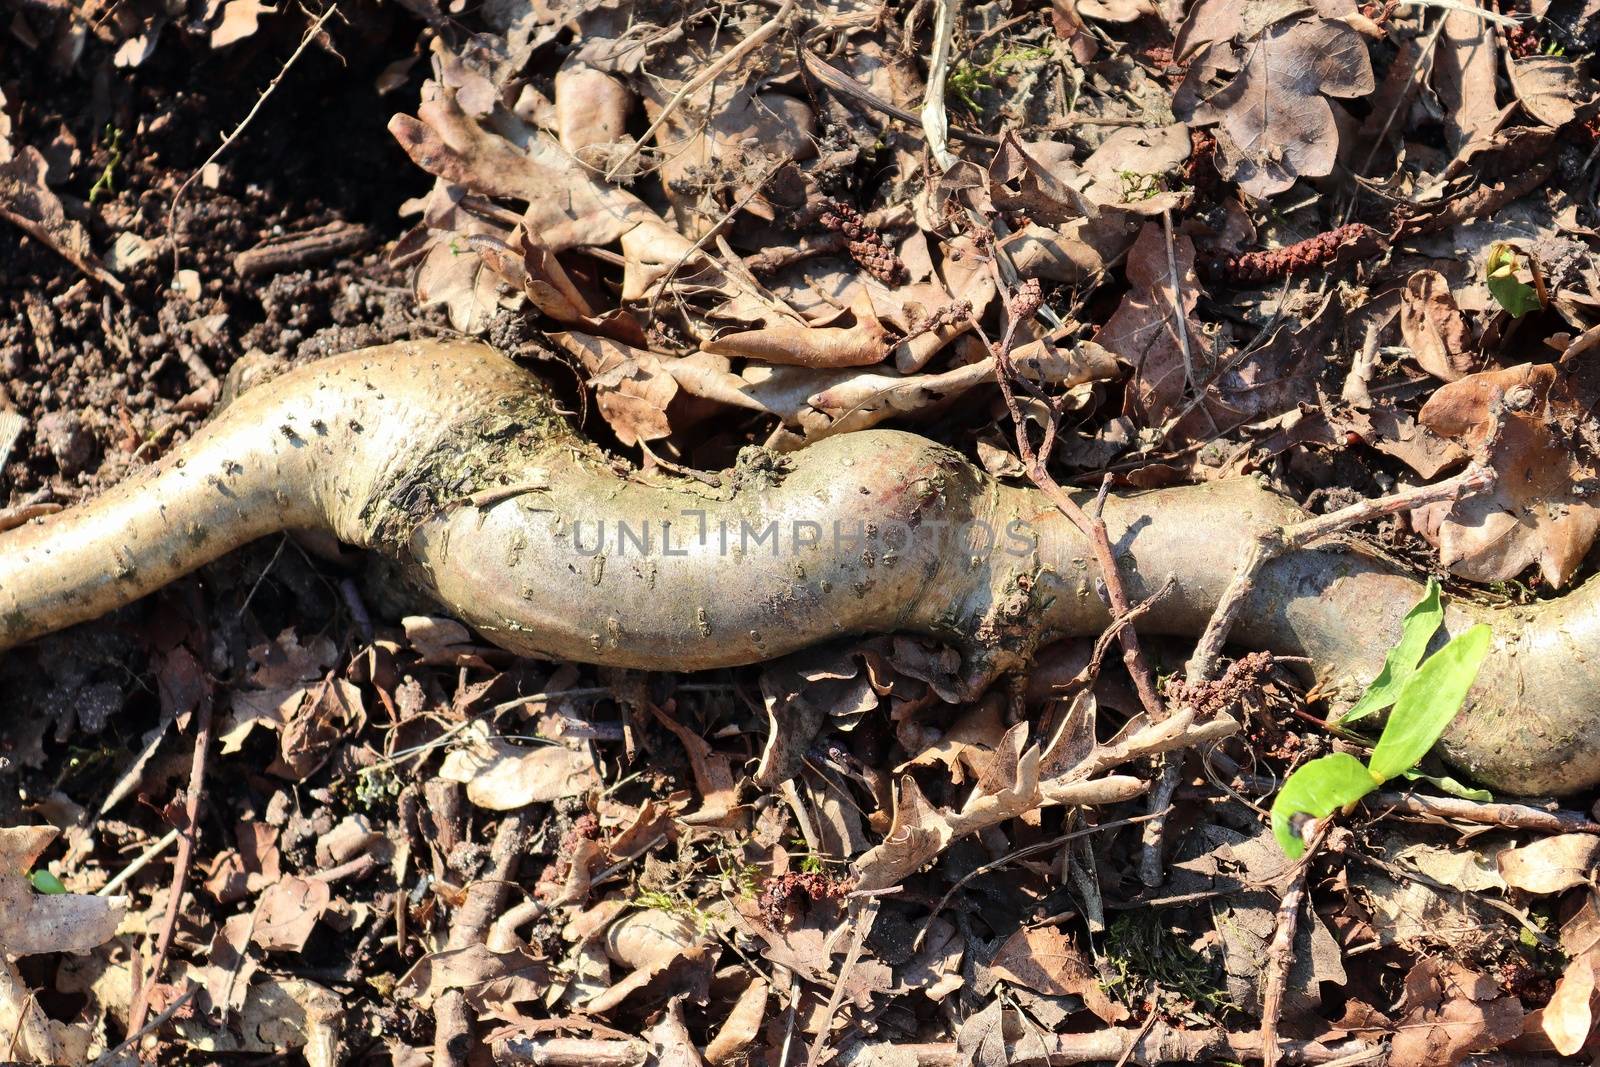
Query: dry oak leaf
{"x":1143,"y":332}
{"x":861,"y":344}
{"x":1539,"y":509}
{"x":31,"y":922}
{"x":1434,"y":328}
{"x":1552,"y":864}
{"x":1451,"y":1012}
{"x":501,"y":776}
{"x":1568,"y":1019}
{"x":288,"y":912}
{"x":1045,"y":960}
{"x":1273,"y":122}
{"x":632,"y":387}
{"x":1554,"y":89}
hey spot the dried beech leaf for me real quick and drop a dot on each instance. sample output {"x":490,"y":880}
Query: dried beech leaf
{"x":1539,"y":511}
{"x":1464,"y":77}
{"x":1568,"y":1019}
{"x":1045,"y":960}
{"x":1555,"y":90}
{"x":1273,"y":123}
{"x":1552,"y":864}
{"x":501,"y":776}
{"x":740,"y":1029}
{"x":31,"y":922}
{"x":1434,"y":328}
{"x":651,"y":938}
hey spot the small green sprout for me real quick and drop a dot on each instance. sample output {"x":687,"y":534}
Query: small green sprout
{"x":105,"y":185}
{"x":1501,"y":270}
{"x":1425,"y":696}
{"x":967,"y":79}
{"x":47,"y":883}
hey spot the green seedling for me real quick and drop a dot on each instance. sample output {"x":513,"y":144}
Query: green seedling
{"x":1425,"y":695}
{"x":967,"y":79}
{"x":47,"y":883}
{"x":105,"y":185}
{"x":1501,"y":270}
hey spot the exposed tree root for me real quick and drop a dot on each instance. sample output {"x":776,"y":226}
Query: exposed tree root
{"x":400,"y":449}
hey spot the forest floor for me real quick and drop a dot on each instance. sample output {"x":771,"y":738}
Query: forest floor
{"x":1345,"y":250}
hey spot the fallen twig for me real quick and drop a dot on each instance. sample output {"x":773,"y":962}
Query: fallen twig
{"x":833,"y":78}
{"x":293,"y":251}
{"x":1280,"y":952}
{"x":1483,"y":813}
{"x":84,"y":263}
{"x":1274,"y":541}
{"x":1020,"y":307}
{"x":1268,"y":545}
{"x":452,"y":1036}
{"x":180,"y":866}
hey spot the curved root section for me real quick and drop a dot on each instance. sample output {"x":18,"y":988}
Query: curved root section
{"x":452,"y":460}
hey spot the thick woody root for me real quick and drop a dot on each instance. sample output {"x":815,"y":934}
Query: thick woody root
{"x":452,"y":460}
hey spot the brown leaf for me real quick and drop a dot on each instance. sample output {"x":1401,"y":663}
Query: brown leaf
{"x":713,"y":775}
{"x":1036,"y":180}
{"x":1568,"y":1019}
{"x":632,"y":386}
{"x":591,"y":112}
{"x":1451,"y":1012}
{"x":239,"y":20}
{"x":501,"y":776}
{"x":861,"y":344}
{"x":1538,"y":511}
{"x":1044,"y":959}
{"x":1552,"y":864}
{"x":33,"y":922}
{"x":670,"y":1043}
{"x":1464,"y":77}
{"x":1434,"y":328}
{"x":1273,"y":123}
{"x":650,"y":938}
{"x":738,"y":1031}
{"x":1555,"y":90}
{"x":483,"y":975}
{"x":29,"y":204}
{"x":288,"y":912}
{"x":1143,"y":331}
{"x":310,"y":733}
{"x":457,"y":278}
{"x":1134,"y":165}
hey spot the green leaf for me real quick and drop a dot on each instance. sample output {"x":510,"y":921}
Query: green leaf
{"x":45,"y":882}
{"x":1430,"y":698}
{"x":1516,"y":296}
{"x":1420,"y":624}
{"x":1319,"y":787}
{"x":1452,"y":786}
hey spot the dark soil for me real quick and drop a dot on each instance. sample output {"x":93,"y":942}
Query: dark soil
{"x":102,"y":382}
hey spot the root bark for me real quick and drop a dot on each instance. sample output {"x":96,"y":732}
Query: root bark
{"x":454,"y":461}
